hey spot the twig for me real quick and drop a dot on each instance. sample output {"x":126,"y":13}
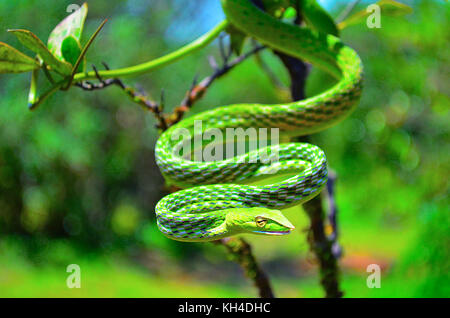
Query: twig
{"x":197,"y":91}
{"x":48,"y":74}
{"x":140,"y":99}
{"x":194,"y":93}
{"x":241,"y":252}
{"x":224,"y":53}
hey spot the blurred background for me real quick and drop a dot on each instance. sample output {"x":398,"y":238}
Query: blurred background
{"x":78,"y":180}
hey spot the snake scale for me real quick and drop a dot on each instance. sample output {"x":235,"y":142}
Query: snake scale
{"x":216,"y":200}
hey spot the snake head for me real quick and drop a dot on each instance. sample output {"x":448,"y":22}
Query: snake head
{"x":258,"y":221}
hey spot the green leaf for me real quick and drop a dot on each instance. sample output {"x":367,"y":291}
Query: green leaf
{"x":32,"y":42}
{"x":71,"y":50}
{"x":237,"y":39}
{"x":14,"y":61}
{"x":83,"y":54}
{"x":72,"y":25}
{"x":388,"y":8}
{"x":317,"y":17}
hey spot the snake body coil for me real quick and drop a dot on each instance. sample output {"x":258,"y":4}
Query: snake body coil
{"x":217,"y":203}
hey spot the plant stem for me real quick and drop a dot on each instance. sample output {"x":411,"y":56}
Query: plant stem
{"x":241,"y":252}
{"x":161,"y":61}
{"x":322,"y":247}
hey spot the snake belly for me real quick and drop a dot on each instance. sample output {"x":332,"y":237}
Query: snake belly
{"x":216,"y":202}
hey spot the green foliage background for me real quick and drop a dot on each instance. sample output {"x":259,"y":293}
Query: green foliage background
{"x":78,"y":182}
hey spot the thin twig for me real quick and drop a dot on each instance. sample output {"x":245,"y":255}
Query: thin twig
{"x":241,"y":252}
{"x":48,"y":74}
{"x":140,"y":99}
{"x":194,"y":93}
{"x":197,"y":91}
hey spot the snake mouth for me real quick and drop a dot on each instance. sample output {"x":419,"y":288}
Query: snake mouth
{"x":274,"y":232}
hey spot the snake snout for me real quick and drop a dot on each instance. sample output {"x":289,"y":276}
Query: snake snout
{"x":282,"y":220}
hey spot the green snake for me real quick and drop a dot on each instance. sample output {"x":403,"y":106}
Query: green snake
{"x":217,"y":200}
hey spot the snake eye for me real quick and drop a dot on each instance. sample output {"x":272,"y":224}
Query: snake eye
{"x":260,"y":222}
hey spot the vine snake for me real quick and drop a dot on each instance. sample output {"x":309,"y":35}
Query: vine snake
{"x":217,"y":200}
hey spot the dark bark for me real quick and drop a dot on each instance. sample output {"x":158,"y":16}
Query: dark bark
{"x":241,"y":252}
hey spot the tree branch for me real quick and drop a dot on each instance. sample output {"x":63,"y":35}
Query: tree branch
{"x":139,"y":99}
{"x":241,"y":252}
{"x":322,"y":247}
{"x":197,"y":91}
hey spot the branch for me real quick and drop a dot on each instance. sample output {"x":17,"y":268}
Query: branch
{"x":320,"y":244}
{"x":322,"y":247}
{"x":139,"y":99}
{"x":197,"y":91}
{"x":241,"y":252}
